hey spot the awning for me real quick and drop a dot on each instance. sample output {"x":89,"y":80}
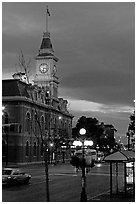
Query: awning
{"x":121,"y":156}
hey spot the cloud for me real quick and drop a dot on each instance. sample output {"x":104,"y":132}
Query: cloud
{"x":88,"y":106}
{"x":94,"y":42}
{"x":104,"y":86}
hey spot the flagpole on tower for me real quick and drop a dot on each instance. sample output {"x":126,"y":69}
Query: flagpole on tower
{"x":47,"y":15}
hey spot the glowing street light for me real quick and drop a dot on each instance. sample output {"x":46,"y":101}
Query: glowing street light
{"x":82,"y":131}
{"x":3,"y":108}
{"x":60,"y":117}
{"x":51,"y":144}
{"x":77,"y":143}
{"x":86,"y":143}
{"x":83,"y":197}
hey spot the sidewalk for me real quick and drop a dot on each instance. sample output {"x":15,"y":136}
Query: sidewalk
{"x":120,"y":197}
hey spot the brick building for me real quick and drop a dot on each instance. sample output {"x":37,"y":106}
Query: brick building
{"x":33,"y":112}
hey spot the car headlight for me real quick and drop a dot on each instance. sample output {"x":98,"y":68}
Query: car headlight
{"x":9,"y":177}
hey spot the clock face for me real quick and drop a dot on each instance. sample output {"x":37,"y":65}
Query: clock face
{"x":43,"y":67}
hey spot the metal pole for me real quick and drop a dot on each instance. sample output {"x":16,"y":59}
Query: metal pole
{"x":129,"y":141}
{"x":116,"y":177}
{"x":133,"y":169}
{"x":46,"y":172}
{"x":7,"y":152}
{"x":83,"y":179}
{"x":125,"y":181}
{"x":47,"y":19}
{"x":110,"y":179}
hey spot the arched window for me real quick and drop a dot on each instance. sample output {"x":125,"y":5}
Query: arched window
{"x":42,"y":124}
{"x":35,"y":123}
{"x":46,"y":123}
{"x":27,"y":148}
{"x":28,"y":123}
{"x":35,"y":149}
{"x":41,"y":149}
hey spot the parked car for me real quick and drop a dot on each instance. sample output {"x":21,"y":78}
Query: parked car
{"x":14,"y":176}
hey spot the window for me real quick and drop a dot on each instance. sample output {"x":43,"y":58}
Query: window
{"x":35,"y":149}
{"x":42,"y":98}
{"x":36,"y":96}
{"x":42,"y":124}
{"x":41,"y":149}
{"x":28,"y":123}
{"x":27,"y":148}
{"x":35,"y":123}
{"x":6,"y":172}
{"x":3,"y":148}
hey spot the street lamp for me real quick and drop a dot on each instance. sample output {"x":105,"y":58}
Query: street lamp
{"x":51,"y":159}
{"x":83,"y":197}
{"x":6,"y":121}
{"x":60,"y":117}
{"x":3,"y":108}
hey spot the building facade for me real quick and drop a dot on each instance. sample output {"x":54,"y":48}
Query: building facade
{"x":33,"y":113}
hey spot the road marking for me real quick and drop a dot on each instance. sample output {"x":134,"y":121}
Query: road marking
{"x":63,"y":174}
{"x":94,"y":197}
{"x":102,"y":174}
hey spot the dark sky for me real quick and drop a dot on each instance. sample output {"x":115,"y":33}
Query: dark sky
{"x":95,"y":44}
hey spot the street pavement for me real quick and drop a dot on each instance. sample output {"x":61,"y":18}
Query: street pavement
{"x":67,"y":169}
{"x":104,"y":197}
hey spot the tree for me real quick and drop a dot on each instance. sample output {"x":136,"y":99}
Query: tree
{"x":101,"y":135}
{"x":93,"y":129}
{"x":131,"y":126}
{"x":131,"y":130}
{"x":26,"y":66}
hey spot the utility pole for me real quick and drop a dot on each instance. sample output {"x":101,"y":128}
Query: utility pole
{"x":46,"y":172}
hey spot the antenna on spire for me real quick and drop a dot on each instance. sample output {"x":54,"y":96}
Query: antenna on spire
{"x":47,"y":15}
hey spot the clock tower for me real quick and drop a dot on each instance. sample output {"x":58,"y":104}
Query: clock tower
{"x":46,"y":66}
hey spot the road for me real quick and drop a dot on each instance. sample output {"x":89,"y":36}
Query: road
{"x":64,"y":184}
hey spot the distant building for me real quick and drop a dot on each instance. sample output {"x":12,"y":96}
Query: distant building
{"x":109,"y":131}
{"x":107,"y":139}
{"x":32,"y":111}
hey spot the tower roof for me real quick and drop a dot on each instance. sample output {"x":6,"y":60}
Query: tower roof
{"x":46,"y":42}
{"x":46,"y":49}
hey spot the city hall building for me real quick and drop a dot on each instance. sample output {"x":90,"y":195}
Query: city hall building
{"x":33,"y":113}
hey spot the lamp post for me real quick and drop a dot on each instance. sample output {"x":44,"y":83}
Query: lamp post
{"x":51,"y":159}
{"x":83,"y":197}
{"x":6,"y":120}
